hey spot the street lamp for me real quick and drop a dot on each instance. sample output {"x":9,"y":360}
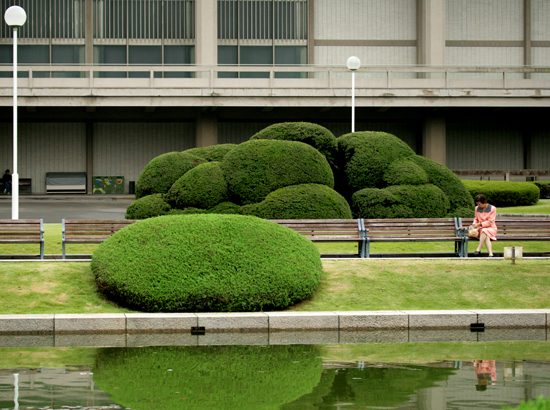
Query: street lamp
{"x":15,"y":17}
{"x":353,"y":64}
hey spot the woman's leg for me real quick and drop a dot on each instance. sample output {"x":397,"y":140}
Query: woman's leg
{"x":482,"y":238}
{"x":489,"y":245}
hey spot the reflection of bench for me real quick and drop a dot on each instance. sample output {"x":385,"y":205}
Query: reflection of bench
{"x":521,"y":229}
{"x":329,"y":230}
{"x":90,"y":231}
{"x":65,"y":182}
{"x":22,"y":231}
{"x":413,"y":230}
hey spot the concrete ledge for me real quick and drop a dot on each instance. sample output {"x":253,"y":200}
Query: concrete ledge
{"x":303,"y":337}
{"x":281,"y":321}
{"x":160,"y":322}
{"x":512,"y":318}
{"x":372,"y":320}
{"x":161,"y":339}
{"x":441,"y":319}
{"x":233,"y":322}
{"x":90,"y":340}
{"x":99,"y":323}
{"x":26,"y":324}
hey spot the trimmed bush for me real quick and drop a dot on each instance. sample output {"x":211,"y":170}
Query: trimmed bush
{"x":462,"y":213}
{"x":443,"y":178}
{"x":201,"y":187}
{"x":208,"y":377}
{"x":315,"y":135}
{"x":374,"y":203}
{"x":212,"y":152}
{"x":306,"y":201}
{"x":226,"y":208}
{"x":544,"y":188}
{"x":256,"y":168}
{"x":187,"y":211}
{"x":365,"y":156}
{"x":160,"y":174}
{"x":505,"y":193}
{"x":405,"y":172}
{"x":148,"y":207}
{"x":207,"y":263}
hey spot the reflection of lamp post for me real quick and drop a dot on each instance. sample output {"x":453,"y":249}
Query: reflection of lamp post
{"x":353,"y":64}
{"x":15,"y":17}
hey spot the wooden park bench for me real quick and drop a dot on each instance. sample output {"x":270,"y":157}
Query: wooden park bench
{"x":90,"y":231}
{"x":520,"y":229}
{"x":414,"y":230}
{"x":329,"y":230}
{"x":22,"y":231}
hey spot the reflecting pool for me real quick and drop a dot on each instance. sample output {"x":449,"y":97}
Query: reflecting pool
{"x":443,"y":375}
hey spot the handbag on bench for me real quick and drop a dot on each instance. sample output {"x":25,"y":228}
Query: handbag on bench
{"x":473,"y":232}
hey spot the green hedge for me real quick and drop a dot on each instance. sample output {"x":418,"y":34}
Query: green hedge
{"x":505,"y":193}
{"x":161,"y":172}
{"x":405,"y":172}
{"x":256,"y":168}
{"x":208,"y":377}
{"x":540,"y":403}
{"x":305,"y":201}
{"x":544,"y":187}
{"x":207,"y":263}
{"x":312,"y":134}
{"x":148,"y":207}
{"x":201,"y":187}
{"x":212,"y":152}
{"x":365,"y":156}
{"x":226,"y":208}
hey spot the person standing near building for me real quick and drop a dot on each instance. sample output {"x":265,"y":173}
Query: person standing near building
{"x":6,"y":180}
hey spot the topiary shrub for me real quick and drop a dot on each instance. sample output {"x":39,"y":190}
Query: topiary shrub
{"x":443,"y":178}
{"x":374,"y":203}
{"x":212,"y":152}
{"x":462,"y":213}
{"x":208,"y":377}
{"x":148,"y":207}
{"x":256,"y":168}
{"x":364,"y":158}
{"x":544,"y":187}
{"x":201,"y":187}
{"x":207,"y":263}
{"x":505,"y":193}
{"x":226,"y":208}
{"x":405,"y":172}
{"x":424,"y":201}
{"x":187,"y":211}
{"x":160,"y":174}
{"x":315,"y":135}
{"x":305,"y":201}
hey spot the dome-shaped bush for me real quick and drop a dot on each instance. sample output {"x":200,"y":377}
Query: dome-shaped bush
{"x":306,"y":201}
{"x":207,"y":263}
{"x":212,"y":152}
{"x":405,"y":172}
{"x":226,"y":208}
{"x":375,"y":203}
{"x":312,"y":134}
{"x":208,"y":377}
{"x":148,"y":207}
{"x":365,"y":156}
{"x":161,"y":172}
{"x":201,"y":187}
{"x":443,"y":178}
{"x":256,"y":168}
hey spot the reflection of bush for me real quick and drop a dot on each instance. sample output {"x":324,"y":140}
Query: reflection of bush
{"x":208,"y":377}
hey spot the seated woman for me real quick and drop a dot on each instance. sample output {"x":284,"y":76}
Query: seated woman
{"x":485,"y":220}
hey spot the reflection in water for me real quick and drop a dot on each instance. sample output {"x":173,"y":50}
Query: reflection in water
{"x":270,"y":377}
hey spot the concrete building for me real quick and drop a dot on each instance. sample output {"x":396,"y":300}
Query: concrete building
{"x":106,"y":85}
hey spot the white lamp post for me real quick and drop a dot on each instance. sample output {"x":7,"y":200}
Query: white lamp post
{"x":353,"y":64}
{"x":15,"y":17}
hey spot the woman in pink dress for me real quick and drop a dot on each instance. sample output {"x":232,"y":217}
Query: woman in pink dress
{"x":485,"y":220}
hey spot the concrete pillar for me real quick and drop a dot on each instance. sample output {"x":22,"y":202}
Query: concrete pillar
{"x":431,"y":33}
{"x":206,"y":32}
{"x":89,"y":32}
{"x":207,"y":129}
{"x":434,"y":140}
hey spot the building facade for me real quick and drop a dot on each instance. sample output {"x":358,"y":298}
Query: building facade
{"x":107,"y":85}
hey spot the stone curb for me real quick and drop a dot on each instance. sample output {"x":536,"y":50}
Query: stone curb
{"x":272,"y":322}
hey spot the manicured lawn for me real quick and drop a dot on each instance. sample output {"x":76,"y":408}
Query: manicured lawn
{"x":53,"y":287}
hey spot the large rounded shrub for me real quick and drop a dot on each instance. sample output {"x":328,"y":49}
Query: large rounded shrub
{"x":306,"y":201}
{"x":161,"y":172}
{"x":365,"y":156}
{"x":256,"y":168}
{"x":148,"y":207}
{"x":212,"y":152}
{"x":505,"y":193}
{"x":208,"y":377}
{"x":405,"y":172}
{"x":206,"y":263}
{"x":226,"y":208}
{"x":202,"y":187}
{"x":312,"y":134}
{"x":375,"y":203}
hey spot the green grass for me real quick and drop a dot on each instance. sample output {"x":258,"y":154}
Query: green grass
{"x":542,"y":207}
{"x":368,"y":284}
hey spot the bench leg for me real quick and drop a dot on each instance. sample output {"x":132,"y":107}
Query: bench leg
{"x":367,"y":255}
{"x":465,"y":247}
{"x":42,"y":250}
{"x":63,"y":249}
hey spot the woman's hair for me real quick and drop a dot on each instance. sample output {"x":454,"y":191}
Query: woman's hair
{"x":481,"y":198}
